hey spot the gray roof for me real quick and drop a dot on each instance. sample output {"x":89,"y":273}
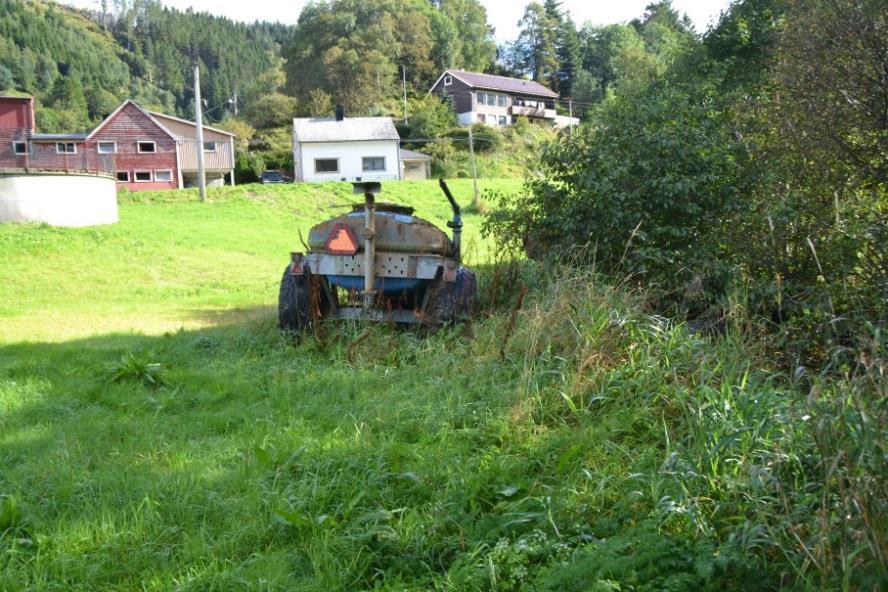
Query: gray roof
{"x":504,"y":83}
{"x":411,"y":155}
{"x":191,"y":123}
{"x":350,"y":129}
{"x":40,"y":137}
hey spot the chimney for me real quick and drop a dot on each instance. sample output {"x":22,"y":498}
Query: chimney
{"x":340,"y":113}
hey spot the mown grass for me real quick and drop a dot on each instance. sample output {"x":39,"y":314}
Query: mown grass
{"x":577,"y":444}
{"x":173,"y":262}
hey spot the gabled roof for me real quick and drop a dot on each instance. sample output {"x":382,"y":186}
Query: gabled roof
{"x":350,"y":129}
{"x":411,"y":155}
{"x":137,"y":106}
{"x":515,"y":86}
{"x":185,"y":121}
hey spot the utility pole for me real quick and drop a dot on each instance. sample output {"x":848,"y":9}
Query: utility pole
{"x":570,"y":107}
{"x":198,"y":119}
{"x":476,"y":203}
{"x":404,"y":84}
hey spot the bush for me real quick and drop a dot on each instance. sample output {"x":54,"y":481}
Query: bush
{"x":644,"y":190}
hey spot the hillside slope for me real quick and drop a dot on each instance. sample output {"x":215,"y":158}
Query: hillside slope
{"x":80,"y":65}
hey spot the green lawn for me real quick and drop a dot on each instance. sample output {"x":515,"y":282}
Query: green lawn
{"x":173,"y":262}
{"x":157,"y":432}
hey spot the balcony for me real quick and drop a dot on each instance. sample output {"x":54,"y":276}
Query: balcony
{"x":538,"y":112}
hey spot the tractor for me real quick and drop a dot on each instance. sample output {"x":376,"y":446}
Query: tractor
{"x":378,"y":262}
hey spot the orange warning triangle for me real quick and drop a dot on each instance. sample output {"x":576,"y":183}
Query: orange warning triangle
{"x":342,"y":240}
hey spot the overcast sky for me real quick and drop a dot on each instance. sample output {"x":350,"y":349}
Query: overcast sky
{"x":502,"y":14}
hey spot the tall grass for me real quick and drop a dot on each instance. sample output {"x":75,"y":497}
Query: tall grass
{"x":572,"y":443}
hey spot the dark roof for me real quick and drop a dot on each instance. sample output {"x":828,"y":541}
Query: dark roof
{"x":40,"y":137}
{"x":411,"y":155}
{"x":503,"y":83}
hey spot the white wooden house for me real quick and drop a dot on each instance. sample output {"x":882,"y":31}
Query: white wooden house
{"x":345,"y":149}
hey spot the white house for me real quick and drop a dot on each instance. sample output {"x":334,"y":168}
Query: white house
{"x":345,"y":149}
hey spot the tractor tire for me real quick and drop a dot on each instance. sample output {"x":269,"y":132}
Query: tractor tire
{"x":452,"y":302}
{"x":300,"y":302}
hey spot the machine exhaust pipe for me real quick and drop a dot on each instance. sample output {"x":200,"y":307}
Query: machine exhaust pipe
{"x":456,"y":223}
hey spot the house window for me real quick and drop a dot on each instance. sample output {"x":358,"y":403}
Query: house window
{"x":146,"y":148}
{"x":482,"y":118}
{"x":143,"y":176}
{"x":448,"y":81}
{"x":164,"y":176}
{"x":123,"y":176}
{"x":482,"y":98}
{"x":209,"y":146}
{"x":502,"y":120}
{"x":501,"y":100}
{"x":326,"y":165}
{"x":373,"y":163}
{"x":66,"y":148}
{"x":20,"y":147}
{"x":491,"y":119}
{"x":107,"y":147}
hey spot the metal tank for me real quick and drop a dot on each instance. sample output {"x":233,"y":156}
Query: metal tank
{"x":378,"y":262}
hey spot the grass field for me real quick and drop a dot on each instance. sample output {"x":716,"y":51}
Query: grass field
{"x":157,"y":432}
{"x":173,"y":262}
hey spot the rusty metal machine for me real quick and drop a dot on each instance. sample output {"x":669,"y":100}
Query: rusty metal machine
{"x":378,"y":262}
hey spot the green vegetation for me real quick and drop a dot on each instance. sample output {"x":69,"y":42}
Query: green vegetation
{"x":577,"y":445}
{"x":351,"y":51}
{"x":82,"y":65}
{"x":173,"y":262}
{"x":742,"y":174}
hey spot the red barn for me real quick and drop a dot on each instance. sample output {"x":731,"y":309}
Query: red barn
{"x":16,"y":128}
{"x":141,"y":152}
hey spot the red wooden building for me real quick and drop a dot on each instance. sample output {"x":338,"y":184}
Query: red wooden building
{"x":132,"y":144}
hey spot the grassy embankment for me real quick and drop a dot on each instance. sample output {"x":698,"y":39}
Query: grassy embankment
{"x":586,"y":446}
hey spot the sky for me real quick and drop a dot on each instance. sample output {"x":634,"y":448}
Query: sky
{"x":503,"y":15}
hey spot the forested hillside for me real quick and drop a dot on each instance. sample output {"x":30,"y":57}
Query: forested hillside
{"x":81,"y":65}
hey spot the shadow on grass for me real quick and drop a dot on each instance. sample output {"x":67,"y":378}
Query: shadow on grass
{"x":239,"y":315}
{"x":249,"y":459}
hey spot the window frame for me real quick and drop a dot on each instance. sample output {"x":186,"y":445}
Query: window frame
{"x":364,"y":168}
{"x":502,"y":101}
{"x":501,"y":120}
{"x":136,"y":178}
{"x":448,"y":80}
{"x":17,"y":143}
{"x":126,"y":180}
{"x":170,"y":171}
{"x":214,"y":143}
{"x":65,"y":145}
{"x":139,"y":147}
{"x":317,"y":172}
{"x":113,"y":147}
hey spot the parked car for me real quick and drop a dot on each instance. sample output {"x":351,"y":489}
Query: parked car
{"x":272,"y":177}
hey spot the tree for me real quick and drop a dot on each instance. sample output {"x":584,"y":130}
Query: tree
{"x":536,"y":44}
{"x":477,"y":50}
{"x":647,"y":187}
{"x":430,"y":117}
{"x":7,"y":81}
{"x":567,"y":51}
{"x":271,"y":110}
